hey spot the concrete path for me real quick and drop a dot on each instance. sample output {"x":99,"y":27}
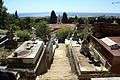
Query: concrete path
{"x":60,"y":69}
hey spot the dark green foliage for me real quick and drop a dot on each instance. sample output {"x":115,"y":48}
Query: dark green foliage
{"x":105,"y":19}
{"x":76,"y":19}
{"x":42,"y":19}
{"x":91,"y":20}
{"x":64,"y":18}
{"x":101,"y":19}
{"x":87,"y":31}
{"x":53,"y":18}
{"x":11,"y":44}
{"x":23,"y":35}
{"x":14,"y":27}
{"x":81,"y":20}
{"x":42,"y":30}
{"x":118,"y":21}
{"x":1,"y":7}
{"x":64,"y":33}
{"x":26,"y":23}
{"x":3,"y":16}
{"x":71,"y":20}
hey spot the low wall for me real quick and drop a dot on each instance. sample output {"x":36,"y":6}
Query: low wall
{"x":73,"y":61}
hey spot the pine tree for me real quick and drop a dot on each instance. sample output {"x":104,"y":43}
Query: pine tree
{"x":65,"y":18}
{"x":1,"y":5}
{"x":53,"y":17}
{"x":3,"y":15}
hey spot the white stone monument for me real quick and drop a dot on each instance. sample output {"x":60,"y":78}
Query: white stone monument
{"x":33,"y":34}
{"x":59,"y":19}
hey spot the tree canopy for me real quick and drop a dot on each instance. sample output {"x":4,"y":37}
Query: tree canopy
{"x":64,"y":32}
{"x":87,"y":31}
{"x":53,"y":17}
{"x":3,"y":15}
{"x":64,"y":18}
{"x":42,"y":30}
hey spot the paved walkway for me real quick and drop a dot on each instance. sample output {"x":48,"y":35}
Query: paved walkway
{"x":60,"y":69}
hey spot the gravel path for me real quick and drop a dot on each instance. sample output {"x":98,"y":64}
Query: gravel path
{"x":60,"y":69}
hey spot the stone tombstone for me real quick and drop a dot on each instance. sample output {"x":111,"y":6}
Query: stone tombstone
{"x":49,"y":53}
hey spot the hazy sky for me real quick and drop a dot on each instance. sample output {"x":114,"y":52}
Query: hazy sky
{"x":26,"y":6}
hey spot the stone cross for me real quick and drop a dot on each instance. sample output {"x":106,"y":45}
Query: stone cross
{"x":33,"y":34}
{"x":59,"y":20}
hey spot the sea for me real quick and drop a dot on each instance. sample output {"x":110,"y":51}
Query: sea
{"x":70,"y":14}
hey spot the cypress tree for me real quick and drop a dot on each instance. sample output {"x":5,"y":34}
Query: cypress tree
{"x":64,"y":18}
{"x":53,"y":17}
{"x":16,"y":14}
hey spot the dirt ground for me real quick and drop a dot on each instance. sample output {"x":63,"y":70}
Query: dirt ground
{"x":60,"y":69}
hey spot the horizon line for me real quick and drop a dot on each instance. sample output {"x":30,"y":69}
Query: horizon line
{"x":63,"y":12}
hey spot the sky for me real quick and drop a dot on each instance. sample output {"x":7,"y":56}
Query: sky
{"x":90,"y":6}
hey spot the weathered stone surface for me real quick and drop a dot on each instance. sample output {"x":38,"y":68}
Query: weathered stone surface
{"x":28,"y":52}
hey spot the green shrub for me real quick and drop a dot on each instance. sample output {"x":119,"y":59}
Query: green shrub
{"x":23,"y":35}
{"x":14,"y":27}
{"x":42,"y":30}
{"x":64,"y":32}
